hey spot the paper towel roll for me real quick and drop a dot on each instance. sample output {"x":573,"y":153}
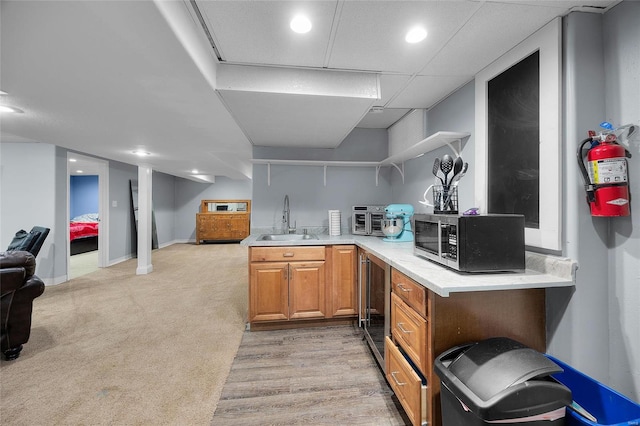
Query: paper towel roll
{"x":334,"y":222}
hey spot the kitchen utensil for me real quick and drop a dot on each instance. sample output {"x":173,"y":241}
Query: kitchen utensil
{"x":458,"y":164}
{"x":436,"y":169}
{"x":454,"y":182}
{"x":446,"y":165}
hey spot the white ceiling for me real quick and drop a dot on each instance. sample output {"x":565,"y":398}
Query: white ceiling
{"x":108,"y":77}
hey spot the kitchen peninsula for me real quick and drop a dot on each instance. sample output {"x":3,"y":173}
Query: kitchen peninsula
{"x":430,"y":308}
{"x":542,"y":271}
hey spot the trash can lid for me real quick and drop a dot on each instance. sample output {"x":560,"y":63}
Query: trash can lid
{"x":490,"y":366}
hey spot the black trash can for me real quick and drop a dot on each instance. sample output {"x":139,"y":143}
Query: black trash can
{"x":500,"y":381}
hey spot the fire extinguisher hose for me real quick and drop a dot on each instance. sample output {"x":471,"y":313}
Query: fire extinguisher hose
{"x":588,"y":186}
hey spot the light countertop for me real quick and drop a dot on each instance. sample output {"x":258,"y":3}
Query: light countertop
{"x":543,"y":271}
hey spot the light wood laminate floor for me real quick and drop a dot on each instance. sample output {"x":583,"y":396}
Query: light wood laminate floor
{"x":313,"y":376}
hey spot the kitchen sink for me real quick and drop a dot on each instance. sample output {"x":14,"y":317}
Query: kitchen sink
{"x":287,"y":237}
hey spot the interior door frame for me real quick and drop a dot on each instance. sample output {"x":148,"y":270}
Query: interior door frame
{"x":101,"y":169}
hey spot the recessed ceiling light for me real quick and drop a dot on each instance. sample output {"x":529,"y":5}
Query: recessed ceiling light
{"x":79,"y":171}
{"x":416,"y":35}
{"x":300,"y":24}
{"x":141,"y":153}
{"x":72,"y":160}
{"x":5,"y":108}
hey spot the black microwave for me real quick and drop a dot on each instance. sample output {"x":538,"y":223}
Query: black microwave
{"x":482,"y":243}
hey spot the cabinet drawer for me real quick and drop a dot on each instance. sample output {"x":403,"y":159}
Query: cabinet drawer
{"x":409,"y":330}
{"x":412,"y":293}
{"x":273,"y":254}
{"x":407,"y":385}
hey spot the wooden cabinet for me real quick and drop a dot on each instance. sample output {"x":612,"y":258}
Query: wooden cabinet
{"x":286,"y":283}
{"x":269,"y":291}
{"x":423,"y":325}
{"x":409,"y":387}
{"x":342,"y":292}
{"x":223,"y":220}
{"x":301,"y":285}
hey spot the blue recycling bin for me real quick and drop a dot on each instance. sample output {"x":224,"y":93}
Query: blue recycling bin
{"x":607,"y":406}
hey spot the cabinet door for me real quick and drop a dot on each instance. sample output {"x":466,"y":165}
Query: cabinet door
{"x":343,"y":286}
{"x":224,"y":227}
{"x":239,"y":226}
{"x":206,"y":228}
{"x":268,"y":291}
{"x":306,"y":290}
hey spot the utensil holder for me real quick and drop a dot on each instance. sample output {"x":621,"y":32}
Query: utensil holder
{"x":445,"y":199}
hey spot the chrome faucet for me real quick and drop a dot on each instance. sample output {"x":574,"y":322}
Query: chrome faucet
{"x":286,"y":218}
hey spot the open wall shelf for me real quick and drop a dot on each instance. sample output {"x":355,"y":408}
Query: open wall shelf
{"x":437,"y":140}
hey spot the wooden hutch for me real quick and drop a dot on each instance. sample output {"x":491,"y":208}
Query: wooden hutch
{"x":223,"y":220}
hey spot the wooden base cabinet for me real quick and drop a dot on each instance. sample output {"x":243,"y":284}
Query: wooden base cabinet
{"x":286,"y":283}
{"x":423,"y":325}
{"x":408,"y":386}
{"x":301,"y":285}
{"x":343,"y":289}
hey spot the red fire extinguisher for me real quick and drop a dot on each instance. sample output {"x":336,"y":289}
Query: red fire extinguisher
{"x":606,"y":179}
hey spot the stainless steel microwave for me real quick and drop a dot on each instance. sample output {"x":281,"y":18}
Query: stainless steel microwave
{"x":483,"y":243}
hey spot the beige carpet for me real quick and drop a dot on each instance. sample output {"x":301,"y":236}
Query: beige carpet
{"x":113,"y":348}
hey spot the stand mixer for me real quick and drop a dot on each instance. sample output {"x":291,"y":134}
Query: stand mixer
{"x":397,"y":225}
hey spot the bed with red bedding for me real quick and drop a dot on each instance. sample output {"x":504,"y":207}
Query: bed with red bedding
{"x":82,"y":230}
{"x":83,"y":233}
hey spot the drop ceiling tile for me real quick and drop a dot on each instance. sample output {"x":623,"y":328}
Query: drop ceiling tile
{"x":390,"y":84}
{"x":258,"y":32}
{"x":474,"y":46}
{"x":370,"y":34}
{"x":426,"y":91}
{"x":383,"y":119}
{"x":310,"y":121}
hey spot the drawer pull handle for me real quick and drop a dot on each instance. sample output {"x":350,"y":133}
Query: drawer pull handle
{"x":288,"y":254}
{"x":395,"y":379}
{"x":404,"y":330}
{"x":403,"y":288}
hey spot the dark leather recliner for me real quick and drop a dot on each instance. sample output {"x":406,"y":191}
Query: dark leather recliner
{"x":18,"y":288}
{"x":29,"y":241}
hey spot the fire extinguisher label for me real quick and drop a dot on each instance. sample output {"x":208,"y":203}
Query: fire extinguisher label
{"x":619,"y":202}
{"x":608,"y":170}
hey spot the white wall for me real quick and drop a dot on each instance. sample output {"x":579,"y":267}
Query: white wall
{"x":577,"y":323}
{"x":454,"y":114}
{"x":120,"y":217}
{"x":309,"y":198}
{"x":164,"y":207}
{"x":28,"y":198}
{"x":622,"y":101}
{"x":594,"y":326}
{"x":188,"y":195}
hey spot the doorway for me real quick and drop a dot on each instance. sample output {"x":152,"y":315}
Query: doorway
{"x":87,"y":211}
